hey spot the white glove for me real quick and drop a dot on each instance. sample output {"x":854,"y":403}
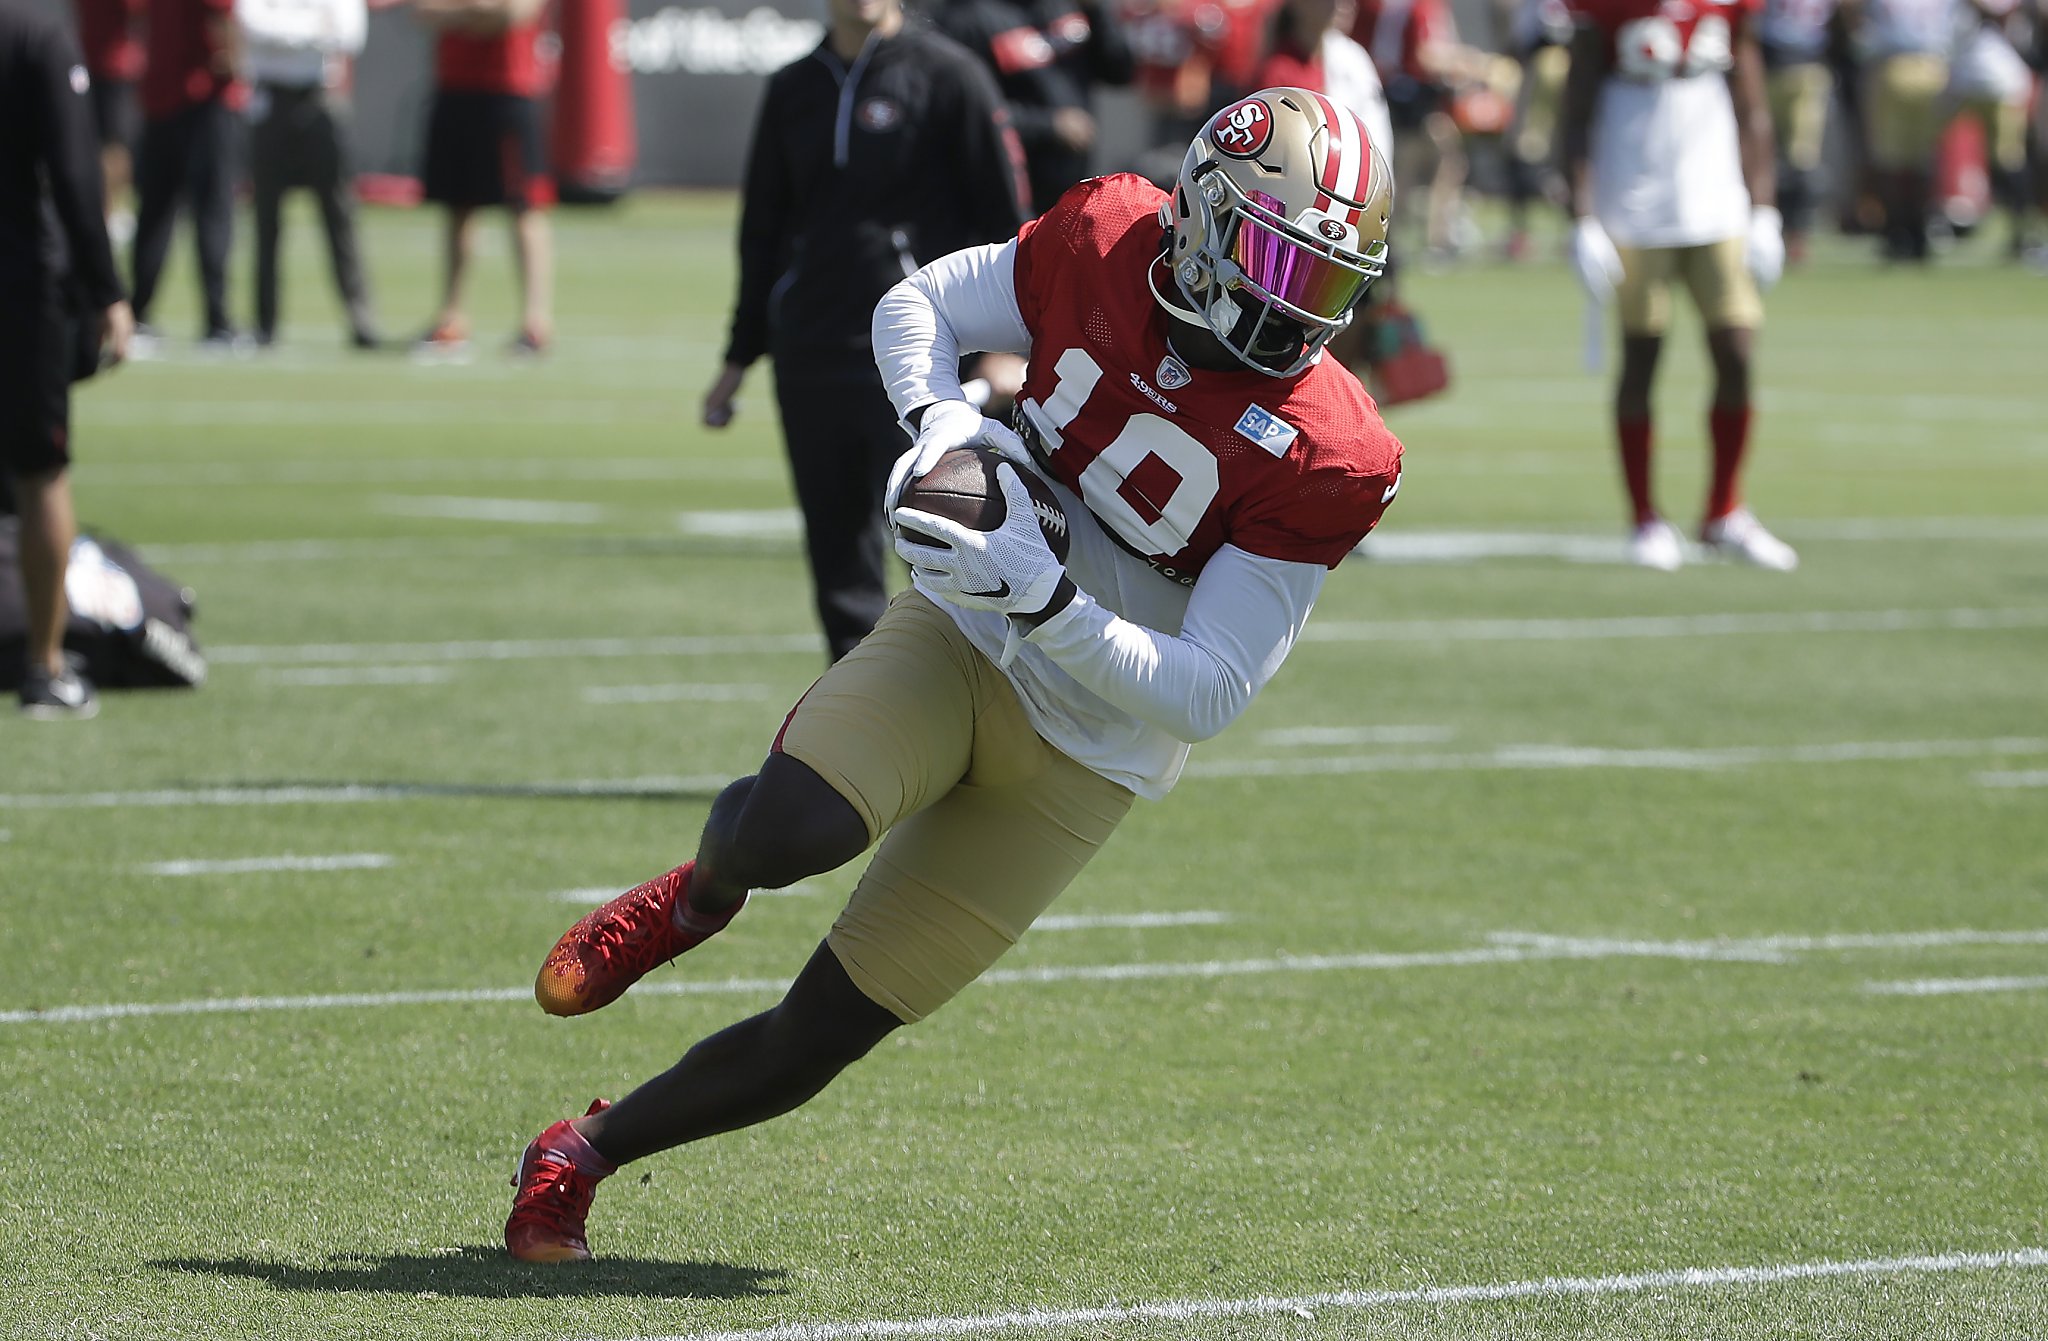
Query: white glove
{"x":1766,"y":246}
{"x":1594,"y":260}
{"x":947,"y":424}
{"x":1010,"y":570}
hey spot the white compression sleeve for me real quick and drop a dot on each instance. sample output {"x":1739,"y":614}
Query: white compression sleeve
{"x":1242,"y":619}
{"x":965,"y":303}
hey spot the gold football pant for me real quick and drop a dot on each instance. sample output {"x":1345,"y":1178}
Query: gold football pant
{"x":1716,"y":274}
{"x":982,"y":822}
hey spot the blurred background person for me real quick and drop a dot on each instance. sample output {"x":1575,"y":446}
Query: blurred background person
{"x":485,"y":149}
{"x":1794,"y":37}
{"x":1668,"y":158}
{"x":190,"y":95}
{"x":61,"y":305}
{"x":1539,"y":38}
{"x":1311,"y":47}
{"x":1414,"y":44}
{"x":108,"y":31}
{"x":1191,"y":56}
{"x":886,"y":147}
{"x":1048,"y":56}
{"x":296,"y":54}
{"x":1904,"y":46}
{"x":1989,"y":82}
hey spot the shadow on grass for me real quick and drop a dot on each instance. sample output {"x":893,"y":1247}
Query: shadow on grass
{"x":478,"y":1271}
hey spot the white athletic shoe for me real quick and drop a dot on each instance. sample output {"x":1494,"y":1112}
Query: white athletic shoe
{"x":1739,"y":535}
{"x":1656,"y":545}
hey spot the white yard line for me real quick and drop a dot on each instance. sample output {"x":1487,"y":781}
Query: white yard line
{"x":513,"y":649}
{"x":1544,"y":757}
{"x":1954,"y":986}
{"x":1136,"y":921}
{"x":1506,"y":948}
{"x":1335,"y":631}
{"x":753,"y":524}
{"x":1357,"y":735}
{"x":1672,"y":626}
{"x":539,"y":512}
{"x":1307,"y":1305}
{"x":346,"y":861}
{"x":327,"y":677}
{"x":676,"y":693}
{"x":593,"y":895}
{"x":2032,"y":777}
{"x":1510,"y":757}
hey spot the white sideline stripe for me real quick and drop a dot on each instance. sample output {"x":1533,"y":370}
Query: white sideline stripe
{"x":1336,"y":631}
{"x":1094,"y":921}
{"x":1357,"y":735}
{"x":1549,"y":1287}
{"x":1672,"y":626}
{"x":346,"y":861}
{"x":1418,"y":547}
{"x":512,"y":649}
{"x":267,"y":473}
{"x":528,"y":510}
{"x":323,"y":677}
{"x":591,"y":897}
{"x":750,"y":524}
{"x":1508,"y":948}
{"x":675,"y":693}
{"x":2036,"y":777}
{"x":349,"y":794}
{"x":1506,"y":757}
{"x":1954,"y":986}
{"x":1574,"y":757}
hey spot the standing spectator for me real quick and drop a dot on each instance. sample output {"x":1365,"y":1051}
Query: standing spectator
{"x":1989,"y":82}
{"x":1905,"y":46}
{"x":484,"y":149}
{"x":189,"y":99}
{"x":52,"y":281}
{"x":1047,"y":56}
{"x":1415,"y":45}
{"x":113,"y":61}
{"x":884,"y":148}
{"x":1311,"y":48}
{"x":298,"y":54}
{"x":1539,"y":37}
{"x":1794,"y":35}
{"x":1667,"y":152}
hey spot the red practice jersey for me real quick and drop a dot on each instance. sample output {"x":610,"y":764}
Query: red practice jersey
{"x":1655,"y":39}
{"x":1177,"y":462}
{"x":511,"y":61}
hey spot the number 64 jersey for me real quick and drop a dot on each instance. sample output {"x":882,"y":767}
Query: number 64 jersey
{"x":1171,"y":463}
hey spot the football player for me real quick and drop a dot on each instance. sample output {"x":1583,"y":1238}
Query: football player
{"x":1669,"y":165}
{"x":1001,"y":719}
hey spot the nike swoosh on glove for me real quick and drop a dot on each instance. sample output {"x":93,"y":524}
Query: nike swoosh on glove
{"x":1595,"y":260}
{"x":1766,"y":246}
{"x":1010,"y":570}
{"x":947,"y":424}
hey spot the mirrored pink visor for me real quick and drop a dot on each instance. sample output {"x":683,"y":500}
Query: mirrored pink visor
{"x":1289,"y":269}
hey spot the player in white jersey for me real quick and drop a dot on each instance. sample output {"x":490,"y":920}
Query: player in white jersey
{"x":1794,"y":36}
{"x":1667,"y":151}
{"x":1905,"y":46}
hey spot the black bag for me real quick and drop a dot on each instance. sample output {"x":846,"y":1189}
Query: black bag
{"x":130,"y":625}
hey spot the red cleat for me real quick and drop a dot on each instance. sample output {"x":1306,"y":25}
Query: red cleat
{"x":553,"y":1200}
{"x":616,"y":945}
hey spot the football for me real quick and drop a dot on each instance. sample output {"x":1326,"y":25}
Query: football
{"x":963,"y":487}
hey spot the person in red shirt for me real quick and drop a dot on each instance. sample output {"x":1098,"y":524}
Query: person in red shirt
{"x":484,"y":149}
{"x":190,"y":96}
{"x":112,"y":45}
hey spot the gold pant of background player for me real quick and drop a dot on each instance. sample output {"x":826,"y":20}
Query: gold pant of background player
{"x":1716,"y":274}
{"x":982,"y":822}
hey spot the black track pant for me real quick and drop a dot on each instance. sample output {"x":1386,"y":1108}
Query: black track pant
{"x":189,"y":156}
{"x":842,"y":437}
{"x":301,"y":140}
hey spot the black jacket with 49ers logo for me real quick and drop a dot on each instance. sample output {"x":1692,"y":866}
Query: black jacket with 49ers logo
{"x":860,"y":173}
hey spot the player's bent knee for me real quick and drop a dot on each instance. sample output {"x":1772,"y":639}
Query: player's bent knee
{"x":792,"y":825}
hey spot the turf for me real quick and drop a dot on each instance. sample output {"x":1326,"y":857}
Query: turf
{"x":1467,"y":754}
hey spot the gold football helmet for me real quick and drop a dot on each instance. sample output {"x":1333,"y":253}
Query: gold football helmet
{"x":1279,"y":222}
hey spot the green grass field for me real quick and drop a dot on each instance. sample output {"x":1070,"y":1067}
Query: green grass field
{"x":1549,"y":929}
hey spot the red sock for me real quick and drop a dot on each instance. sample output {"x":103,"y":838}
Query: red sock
{"x":1729,"y":426}
{"x":1634,"y":436}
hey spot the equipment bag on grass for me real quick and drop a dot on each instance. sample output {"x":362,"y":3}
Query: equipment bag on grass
{"x":130,"y":625}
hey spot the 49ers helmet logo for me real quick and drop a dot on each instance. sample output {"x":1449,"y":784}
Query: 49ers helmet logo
{"x":1242,"y":129}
